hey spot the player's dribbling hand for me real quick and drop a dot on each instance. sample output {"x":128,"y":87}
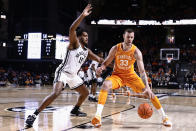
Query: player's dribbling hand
{"x":149,"y":93}
{"x":87,"y":11}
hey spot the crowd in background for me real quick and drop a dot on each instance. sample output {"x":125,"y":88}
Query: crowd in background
{"x":10,"y":77}
{"x":148,"y":39}
{"x":160,"y":72}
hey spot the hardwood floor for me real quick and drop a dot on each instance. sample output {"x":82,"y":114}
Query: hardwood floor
{"x":17,"y":103}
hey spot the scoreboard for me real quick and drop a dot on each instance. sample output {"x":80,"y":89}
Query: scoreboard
{"x":34,"y":46}
{"x":62,"y":43}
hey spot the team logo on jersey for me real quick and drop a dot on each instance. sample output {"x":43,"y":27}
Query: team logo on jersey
{"x":81,"y":56}
{"x":80,"y":53}
{"x":124,"y":57}
{"x":124,"y":62}
{"x":24,"y":109}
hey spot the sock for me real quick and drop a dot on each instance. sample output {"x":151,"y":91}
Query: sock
{"x":156,"y":103}
{"x":102,"y":96}
{"x":101,"y":101}
{"x":158,"y":106}
{"x":99,"y":109}
{"x":36,"y":112}
{"x":162,"y":112}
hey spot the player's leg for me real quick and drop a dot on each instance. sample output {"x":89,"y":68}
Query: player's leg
{"x":138,"y":86}
{"x":94,"y":88}
{"x":57,"y":88}
{"x":76,"y":83}
{"x":113,"y":96}
{"x":126,"y":92}
{"x":90,"y":87}
{"x":92,"y":96}
{"x":107,"y":84}
{"x":83,"y":91}
{"x":111,"y":82}
{"x":90,"y":78}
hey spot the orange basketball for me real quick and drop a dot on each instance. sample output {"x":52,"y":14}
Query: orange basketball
{"x":145,"y":111}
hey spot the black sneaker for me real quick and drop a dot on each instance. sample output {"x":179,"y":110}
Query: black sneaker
{"x":30,"y":120}
{"x":92,"y":99}
{"x":78,"y":113}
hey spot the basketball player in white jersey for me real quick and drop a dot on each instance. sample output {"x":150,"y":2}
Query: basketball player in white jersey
{"x":92,"y":80}
{"x":91,"y":72}
{"x":66,"y":73}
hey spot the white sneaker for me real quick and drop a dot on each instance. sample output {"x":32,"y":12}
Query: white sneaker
{"x":167,"y":122}
{"x":96,"y":121}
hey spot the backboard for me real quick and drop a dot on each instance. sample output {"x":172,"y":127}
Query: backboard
{"x":166,"y":53}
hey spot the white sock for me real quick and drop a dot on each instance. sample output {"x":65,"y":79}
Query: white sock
{"x":162,"y":112}
{"x":99,"y":109}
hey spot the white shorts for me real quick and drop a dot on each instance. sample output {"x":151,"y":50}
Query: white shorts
{"x":74,"y":81}
{"x":91,"y":74}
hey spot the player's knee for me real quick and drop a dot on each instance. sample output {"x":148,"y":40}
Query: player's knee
{"x":56,"y":93}
{"x":86,"y":93}
{"x":106,"y":85}
{"x":57,"y":88}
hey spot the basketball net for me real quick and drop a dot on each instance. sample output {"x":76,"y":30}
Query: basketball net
{"x":169,"y":59}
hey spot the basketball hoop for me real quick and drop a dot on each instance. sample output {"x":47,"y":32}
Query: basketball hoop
{"x":169,"y":59}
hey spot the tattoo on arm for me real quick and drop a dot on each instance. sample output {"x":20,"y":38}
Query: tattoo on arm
{"x":144,"y":78}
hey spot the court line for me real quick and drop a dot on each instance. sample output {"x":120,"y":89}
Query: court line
{"x":181,"y":95}
{"x":173,"y":95}
{"x":102,"y":118}
{"x":12,"y":117}
{"x":13,"y":102}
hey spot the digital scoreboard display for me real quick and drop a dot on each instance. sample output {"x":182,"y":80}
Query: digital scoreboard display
{"x":39,"y":46}
{"x":34,"y":46}
{"x":48,"y":46}
{"x":62,"y":42}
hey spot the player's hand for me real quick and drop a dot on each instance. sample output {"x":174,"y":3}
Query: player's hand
{"x":87,"y":11}
{"x":149,"y":93}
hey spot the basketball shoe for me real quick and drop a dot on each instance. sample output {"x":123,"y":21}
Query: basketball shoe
{"x":78,"y":113}
{"x":167,"y":122}
{"x":92,"y":99}
{"x":96,"y":121}
{"x":30,"y":120}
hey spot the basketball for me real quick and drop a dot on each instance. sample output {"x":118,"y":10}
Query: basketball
{"x":145,"y":111}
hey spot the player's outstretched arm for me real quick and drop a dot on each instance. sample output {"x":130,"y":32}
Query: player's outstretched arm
{"x":107,"y":61}
{"x":93,"y":56}
{"x":140,"y":64}
{"x":72,"y":30}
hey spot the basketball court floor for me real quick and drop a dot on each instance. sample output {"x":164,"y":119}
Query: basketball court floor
{"x":119,"y":115}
